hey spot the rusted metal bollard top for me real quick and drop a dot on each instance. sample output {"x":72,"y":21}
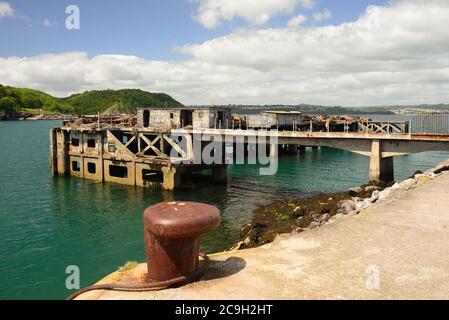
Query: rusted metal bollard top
{"x":181,"y":219}
{"x":172,"y":231}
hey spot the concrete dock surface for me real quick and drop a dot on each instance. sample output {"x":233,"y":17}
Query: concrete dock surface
{"x":396,"y":249}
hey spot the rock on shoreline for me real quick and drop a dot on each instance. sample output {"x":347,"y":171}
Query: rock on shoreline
{"x":297,"y":215}
{"x":30,"y":117}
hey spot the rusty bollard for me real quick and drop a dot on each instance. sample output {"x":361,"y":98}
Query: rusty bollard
{"x":172,"y":231}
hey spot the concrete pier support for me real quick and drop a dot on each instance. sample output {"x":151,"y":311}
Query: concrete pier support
{"x":53,"y":151}
{"x":219,"y":173}
{"x":245,"y":150}
{"x":380,"y":169}
{"x":62,"y":153}
{"x":172,"y":178}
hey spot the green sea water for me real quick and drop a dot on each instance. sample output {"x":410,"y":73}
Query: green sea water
{"x":48,"y":223}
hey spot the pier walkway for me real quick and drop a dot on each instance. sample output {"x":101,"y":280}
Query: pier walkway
{"x":397,"y":249}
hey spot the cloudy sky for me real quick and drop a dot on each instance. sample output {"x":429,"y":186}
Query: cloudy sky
{"x":350,"y":53}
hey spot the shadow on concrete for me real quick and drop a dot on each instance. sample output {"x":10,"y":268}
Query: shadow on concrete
{"x":222,"y":269}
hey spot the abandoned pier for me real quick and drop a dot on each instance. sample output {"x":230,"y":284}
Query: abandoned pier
{"x":161,"y":147}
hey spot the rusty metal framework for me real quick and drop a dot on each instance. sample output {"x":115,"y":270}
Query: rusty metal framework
{"x":384,"y":127}
{"x":150,"y":145}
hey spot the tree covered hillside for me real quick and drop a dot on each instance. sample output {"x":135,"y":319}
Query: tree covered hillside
{"x":17,"y":100}
{"x":13,"y":100}
{"x":125,"y":100}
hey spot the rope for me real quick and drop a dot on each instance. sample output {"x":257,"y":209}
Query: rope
{"x":146,"y":286}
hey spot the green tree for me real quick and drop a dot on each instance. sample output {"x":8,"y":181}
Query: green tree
{"x":8,"y":105}
{"x":3,"y":92}
{"x":30,"y":101}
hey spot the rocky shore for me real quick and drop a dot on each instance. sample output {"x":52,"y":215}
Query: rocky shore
{"x":297,"y":215}
{"x":29,"y":116}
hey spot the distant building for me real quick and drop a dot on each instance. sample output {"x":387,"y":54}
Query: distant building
{"x":285,"y":119}
{"x":274,"y":119}
{"x":176,"y":118}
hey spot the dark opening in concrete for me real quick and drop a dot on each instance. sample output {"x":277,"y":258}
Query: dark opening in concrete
{"x":146,"y":118}
{"x":76,"y":166}
{"x":186,"y":117}
{"x":91,"y":143}
{"x":220,"y":118}
{"x":75,"y":142}
{"x":143,"y":145}
{"x":91,"y":167}
{"x":126,"y":139}
{"x":118,"y":171}
{"x":152,"y":175}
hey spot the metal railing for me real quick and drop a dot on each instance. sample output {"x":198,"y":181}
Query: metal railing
{"x":384,"y":126}
{"x":314,"y":125}
{"x":431,"y":123}
{"x":436,"y":123}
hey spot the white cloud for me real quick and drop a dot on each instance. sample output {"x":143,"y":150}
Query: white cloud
{"x":296,"y":21}
{"x":320,"y":16}
{"x":6,"y":10}
{"x":210,"y":13}
{"x":47,"y":23}
{"x":392,"y":54}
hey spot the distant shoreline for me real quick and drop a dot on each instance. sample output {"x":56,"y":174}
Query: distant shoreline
{"x":22,"y":117}
{"x":62,"y":117}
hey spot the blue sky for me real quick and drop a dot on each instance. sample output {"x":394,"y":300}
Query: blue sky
{"x":363,"y":52}
{"x":146,"y":28}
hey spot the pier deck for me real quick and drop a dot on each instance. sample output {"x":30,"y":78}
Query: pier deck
{"x":405,"y":239}
{"x":161,"y":147}
{"x":148,"y":158}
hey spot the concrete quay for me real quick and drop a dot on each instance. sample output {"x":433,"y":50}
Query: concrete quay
{"x":395,"y":249}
